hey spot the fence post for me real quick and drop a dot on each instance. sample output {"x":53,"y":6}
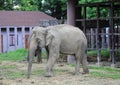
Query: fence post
{"x":8,"y":38}
{"x":112,"y":35}
{"x":23,"y":36}
{"x":97,"y":37}
{"x":92,"y":38}
{"x":15,"y":32}
{"x":0,"y":41}
{"x":103,"y":38}
{"x":98,"y":48}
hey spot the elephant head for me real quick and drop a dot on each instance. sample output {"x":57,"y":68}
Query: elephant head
{"x":43,"y":36}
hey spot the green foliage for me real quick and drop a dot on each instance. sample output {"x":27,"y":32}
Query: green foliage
{"x":6,"y":5}
{"x":104,"y":53}
{"x":55,"y":8}
{"x":30,"y":5}
{"x":19,"y":54}
{"x":118,"y":53}
{"x":91,"y":11}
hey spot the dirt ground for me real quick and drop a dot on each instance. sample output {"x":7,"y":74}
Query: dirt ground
{"x":63,"y":76}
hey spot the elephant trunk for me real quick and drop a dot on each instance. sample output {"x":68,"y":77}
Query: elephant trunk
{"x":31,"y":54}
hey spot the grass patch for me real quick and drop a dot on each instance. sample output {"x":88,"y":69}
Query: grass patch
{"x":13,"y":75}
{"x":105,"y":75}
{"x":11,"y":72}
{"x":19,"y":54}
{"x":105,"y":72}
{"x":8,"y":67}
{"x":42,"y":72}
{"x":38,"y":72}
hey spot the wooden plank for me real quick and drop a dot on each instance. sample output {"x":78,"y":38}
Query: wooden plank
{"x":26,"y":41}
{"x":2,"y":44}
{"x":112,"y":36}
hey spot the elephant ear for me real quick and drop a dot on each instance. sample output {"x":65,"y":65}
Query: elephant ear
{"x":49,"y":37}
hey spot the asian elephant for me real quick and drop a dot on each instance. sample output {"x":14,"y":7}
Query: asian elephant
{"x":64,"y":39}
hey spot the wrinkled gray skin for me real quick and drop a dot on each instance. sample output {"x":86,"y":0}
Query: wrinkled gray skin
{"x":64,"y":39}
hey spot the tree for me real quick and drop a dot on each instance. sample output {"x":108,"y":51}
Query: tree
{"x":6,"y":5}
{"x":28,"y":5}
{"x":91,"y":11}
{"x":55,"y":8}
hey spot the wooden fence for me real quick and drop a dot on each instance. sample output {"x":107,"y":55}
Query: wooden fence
{"x":102,"y":40}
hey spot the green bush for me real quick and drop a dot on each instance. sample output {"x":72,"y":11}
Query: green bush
{"x":104,"y":53}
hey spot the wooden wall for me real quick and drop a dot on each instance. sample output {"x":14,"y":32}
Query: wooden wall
{"x":12,"y":38}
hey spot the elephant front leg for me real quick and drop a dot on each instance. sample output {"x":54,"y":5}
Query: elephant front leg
{"x":29,"y":66}
{"x":49,"y":68}
{"x":51,"y":61}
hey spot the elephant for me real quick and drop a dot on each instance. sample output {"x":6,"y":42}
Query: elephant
{"x":63,"y":38}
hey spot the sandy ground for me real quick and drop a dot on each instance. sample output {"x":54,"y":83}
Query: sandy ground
{"x":64,"y":77}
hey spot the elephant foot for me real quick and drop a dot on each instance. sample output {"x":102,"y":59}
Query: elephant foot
{"x":28,"y":77}
{"x":75,"y":73}
{"x":39,"y":62}
{"x":49,"y":75}
{"x":85,"y":72}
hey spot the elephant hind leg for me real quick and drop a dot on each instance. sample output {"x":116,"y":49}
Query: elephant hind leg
{"x":84,"y":64}
{"x":77,"y":68}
